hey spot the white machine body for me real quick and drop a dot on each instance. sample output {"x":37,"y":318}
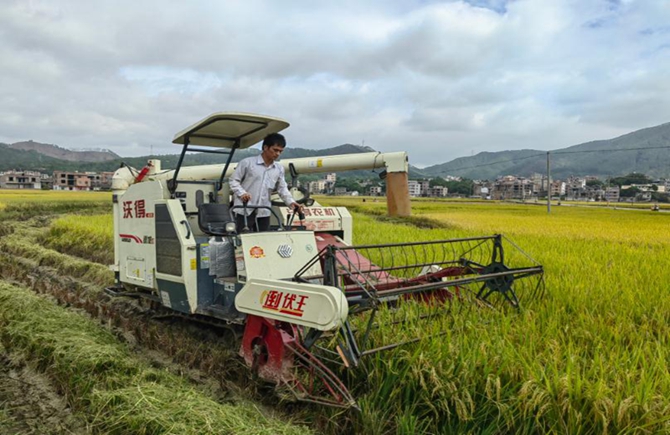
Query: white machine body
{"x":334,"y":220}
{"x":162,"y":247}
{"x":315,"y":306}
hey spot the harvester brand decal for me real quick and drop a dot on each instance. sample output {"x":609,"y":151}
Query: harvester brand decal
{"x":256,"y":252}
{"x":128,"y":238}
{"x":284,"y":302}
{"x":285,"y":251}
{"x":135,"y":209}
{"x":319,"y":211}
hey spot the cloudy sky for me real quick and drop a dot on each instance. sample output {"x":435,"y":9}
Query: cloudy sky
{"x":437,"y":79}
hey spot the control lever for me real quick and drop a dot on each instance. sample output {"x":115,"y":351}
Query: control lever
{"x":291,"y":216}
{"x":246,"y":218}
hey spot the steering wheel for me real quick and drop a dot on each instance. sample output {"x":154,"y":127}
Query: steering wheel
{"x":300,"y":194}
{"x":252,"y":207}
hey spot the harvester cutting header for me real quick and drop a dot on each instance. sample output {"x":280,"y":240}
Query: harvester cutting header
{"x":308,"y":302}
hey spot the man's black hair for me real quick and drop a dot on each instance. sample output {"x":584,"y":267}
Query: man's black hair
{"x":274,"y":139}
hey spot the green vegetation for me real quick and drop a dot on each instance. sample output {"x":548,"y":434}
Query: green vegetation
{"x":112,"y":390}
{"x":632,"y":178}
{"x":6,"y":422}
{"x":462,"y":187}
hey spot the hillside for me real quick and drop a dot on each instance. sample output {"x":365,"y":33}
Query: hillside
{"x":599,"y":158}
{"x":31,"y":159}
{"x":602,"y":158}
{"x":26,"y":160}
{"x":63,"y":153}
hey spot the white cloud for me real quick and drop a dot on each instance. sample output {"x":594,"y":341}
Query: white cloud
{"x":438,"y":79}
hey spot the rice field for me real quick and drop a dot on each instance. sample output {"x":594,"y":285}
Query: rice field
{"x":590,"y":357}
{"x":18,"y":203}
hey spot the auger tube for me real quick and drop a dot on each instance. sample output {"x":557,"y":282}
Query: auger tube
{"x":395,"y":164}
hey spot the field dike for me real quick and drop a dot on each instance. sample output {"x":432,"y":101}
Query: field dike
{"x":202,"y":354}
{"x":106,"y":385}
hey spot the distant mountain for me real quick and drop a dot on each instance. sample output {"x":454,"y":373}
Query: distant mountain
{"x":601,"y":158}
{"x":65,"y":154}
{"x":39,"y":158}
{"x":25,"y":160}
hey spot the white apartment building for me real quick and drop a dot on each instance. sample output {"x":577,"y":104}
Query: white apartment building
{"x":414,"y":188}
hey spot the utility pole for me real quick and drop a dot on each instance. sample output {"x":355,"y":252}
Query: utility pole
{"x":548,"y":185}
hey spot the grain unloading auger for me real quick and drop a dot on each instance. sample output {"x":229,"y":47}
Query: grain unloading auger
{"x":310,"y":305}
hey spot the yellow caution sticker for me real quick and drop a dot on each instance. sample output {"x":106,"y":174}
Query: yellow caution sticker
{"x":194,"y":263}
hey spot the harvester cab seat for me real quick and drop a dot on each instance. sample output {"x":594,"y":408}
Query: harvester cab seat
{"x":213,"y":217}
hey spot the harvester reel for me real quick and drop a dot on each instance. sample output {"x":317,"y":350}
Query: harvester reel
{"x":498,"y":284}
{"x":408,"y":284}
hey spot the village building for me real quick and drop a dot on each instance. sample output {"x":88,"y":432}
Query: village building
{"x":21,"y":180}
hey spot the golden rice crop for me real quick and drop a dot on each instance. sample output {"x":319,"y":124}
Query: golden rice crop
{"x":591,"y":357}
{"x":24,"y":203}
{"x":90,"y":237}
{"x":8,"y":196}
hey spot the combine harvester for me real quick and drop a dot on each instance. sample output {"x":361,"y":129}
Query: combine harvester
{"x":310,"y":304}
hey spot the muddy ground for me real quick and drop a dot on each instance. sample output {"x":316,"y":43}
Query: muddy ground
{"x":29,"y":404}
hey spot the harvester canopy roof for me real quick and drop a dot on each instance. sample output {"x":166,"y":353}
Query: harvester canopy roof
{"x":224,"y":129}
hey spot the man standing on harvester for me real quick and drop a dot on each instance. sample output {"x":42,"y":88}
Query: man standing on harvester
{"x":254,"y":180}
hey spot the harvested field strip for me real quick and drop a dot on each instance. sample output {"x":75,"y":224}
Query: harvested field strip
{"x":188,"y":348}
{"x":101,"y":380}
{"x":48,"y":272}
{"x":198,"y":351}
{"x":20,"y":245}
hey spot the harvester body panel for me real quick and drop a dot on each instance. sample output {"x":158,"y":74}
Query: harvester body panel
{"x":136,"y":233}
{"x":274,"y":254}
{"x":314,"y":306}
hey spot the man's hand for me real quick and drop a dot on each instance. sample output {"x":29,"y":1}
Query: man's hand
{"x":296,"y":207}
{"x":245,"y":198}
